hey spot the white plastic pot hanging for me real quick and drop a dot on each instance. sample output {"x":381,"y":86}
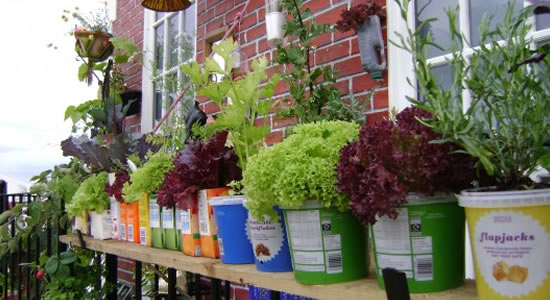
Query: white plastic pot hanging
{"x":274,"y":20}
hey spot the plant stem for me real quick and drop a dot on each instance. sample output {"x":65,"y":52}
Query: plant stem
{"x":308,"y":49}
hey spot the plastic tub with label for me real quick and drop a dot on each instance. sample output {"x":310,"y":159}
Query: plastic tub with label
{"x":425,"y":241}
{"x":207,"y":224}
{"x":510,"y":236}
{"x":326,"y":245}
{"x":232,"y":218}
{"x":270,"y":244}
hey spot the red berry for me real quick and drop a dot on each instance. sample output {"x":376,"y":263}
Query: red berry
{"x":40,"y":274}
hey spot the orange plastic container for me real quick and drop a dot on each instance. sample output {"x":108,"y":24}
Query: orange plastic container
{"x":207,"y":225}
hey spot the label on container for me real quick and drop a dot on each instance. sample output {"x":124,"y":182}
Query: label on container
{"x":154,"y":213}
{"x":512,"y":252}
{"x":266,"y":237}
{"x":123,"y":232}
{"x":130,"y":232}
{"x":315,"y":247}
{"x":168,"y":218}
{"x":178,"y":219}
{"x":220,"y":245}
{"x":204,"y":221}
{"x":143,"y":235}
{"x":185,"y":221}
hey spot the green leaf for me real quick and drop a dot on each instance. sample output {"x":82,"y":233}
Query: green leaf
{"x":193,"y":70}
{"x":211,"y":66}
{"x":63,"y":272}
{"x":121,"y":59}
{"x":69,"y":111}
{"x":225,"y":48}
{"x":5,"y":215}
{"x":216,"y":91}
{"x":544,"y":161}
{"x":100,"y":66}
{"x":52,"y":265}
{"x":83,"y":71}
{"x":123,"y":44}
{"x":67,"y":257}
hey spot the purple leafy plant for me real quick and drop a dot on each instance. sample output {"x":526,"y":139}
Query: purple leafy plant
{"x":199,"y":166}
{"x":115,"y":189}
{"x":394,"y":158}
{"x":352,"y":18}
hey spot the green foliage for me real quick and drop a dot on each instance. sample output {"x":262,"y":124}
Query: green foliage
{"x":311,"y":89}
{"x":300,"y":168}
{"x":149,"y":178}
{"x":97,"y":21}
{"x":73,"y":274}
{"x":249,"y":102}
{"x":90,"y":196}
{"x":507,"y":123}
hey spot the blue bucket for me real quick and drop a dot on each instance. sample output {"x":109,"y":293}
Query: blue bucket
{"x":231,"y":218}
{"x":270,"y":244}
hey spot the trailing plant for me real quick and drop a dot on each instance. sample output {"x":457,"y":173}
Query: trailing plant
{"x":352,"y":18}
{"x":396,"y":157}
{"x":149,"y":178}
{"x":201,"y":165}
{"x":300,"y":168}
{"x":311,"y":88}
{"x":249,"y":105}
{"x":97,"y":21}
{"x":507,"y":122}
{"x":90,"y":196}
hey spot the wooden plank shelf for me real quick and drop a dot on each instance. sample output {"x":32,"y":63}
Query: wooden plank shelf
{"x":247,"y":274}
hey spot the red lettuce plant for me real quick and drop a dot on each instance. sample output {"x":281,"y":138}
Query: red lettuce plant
{"x":394,"y":158}
{"x":115,"y":190}
{"x":352,"y":18}
{"x":199,"y":166}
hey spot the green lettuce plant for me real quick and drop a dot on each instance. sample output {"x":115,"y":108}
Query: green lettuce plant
{"x":149,"y":178}
{"x":245,"y":116}
{"x":507,"y":122}
{"x":90,"y":196}
{"x":298,"y":169}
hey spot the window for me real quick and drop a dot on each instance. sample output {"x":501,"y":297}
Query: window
{"x":169,"y":40}
{"x":469,"y":18}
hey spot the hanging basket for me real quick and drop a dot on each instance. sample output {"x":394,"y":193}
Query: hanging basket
{"x":93,"y":45}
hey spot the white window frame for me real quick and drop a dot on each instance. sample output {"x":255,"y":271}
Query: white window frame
{"x":400,"y":65}
{"x":147,"y":86}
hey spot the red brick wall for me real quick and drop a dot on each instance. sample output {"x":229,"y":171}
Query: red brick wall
{"x":338,"y":49}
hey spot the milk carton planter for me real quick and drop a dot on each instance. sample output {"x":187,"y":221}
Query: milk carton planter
{"x":326,"y":245}
{"x":509,"y":232}
{"x":207,"y":224}
{"x":190,"y":234}
{"x":132,"y":222}
{"x":155,"y":219}
{"x":426,"y":242}
{"x":144,"y":227}
{"x":270,"y":244}
{"x":101,"y":225}
{"x":232,"y":219}
{"x":179,"y":227}
{"x":169,"y":228}
{"x":115,"y":211}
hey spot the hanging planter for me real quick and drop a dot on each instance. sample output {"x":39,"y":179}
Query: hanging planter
{"x":274,"y":20}
{"x":94,"y":45}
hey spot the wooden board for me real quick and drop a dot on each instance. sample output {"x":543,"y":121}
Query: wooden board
{"x":247,"y":274}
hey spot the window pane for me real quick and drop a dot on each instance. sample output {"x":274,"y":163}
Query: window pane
{"x":190,"y":19}
{"x":172,"y":41}
{"x":542,"y":21}
{"x":488,"y":8}
{"x":158,"y":104}
{"x":159,"y":47}
{"x":438,"y":29}
{"x":443,"y":75}
{"x":159,"y":15}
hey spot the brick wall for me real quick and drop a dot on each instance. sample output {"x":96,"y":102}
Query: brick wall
{"x":337,"y":49}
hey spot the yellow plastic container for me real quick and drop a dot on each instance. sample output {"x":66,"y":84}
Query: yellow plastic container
{"x":510,"y":237}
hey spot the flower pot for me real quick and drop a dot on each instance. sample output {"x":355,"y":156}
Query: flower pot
{"x":101,"y":225}
{"x":169,"y":228}
{"x":326,"y":245}
{"x":207,"y":225}
{"x":426,"y":242}
{"x":371,"y":46}
{"x":144,"y":227}
{"x":93,"y":45}
{"x":270,"y":244}
{"x":509,"y":233}
{"x":155,"y":218}
{"x":231,"y":219}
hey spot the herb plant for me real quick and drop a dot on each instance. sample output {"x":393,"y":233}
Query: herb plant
{"x":90,"y":196}
{"x":394,"y":158}
{"x":250,"y":103}
{"x":300,"y":168}
{"x":149,"y":178}
{"x":507,"y":122}
{"x":354,"y":17}
{"x":97,"y":21}
{"x":201,"y":165}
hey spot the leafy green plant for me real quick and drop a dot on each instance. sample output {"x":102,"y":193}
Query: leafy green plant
{"x":148,"y":178}
{"x":300,"y":168}
{"x":250,"y":104}
{"x":97,"y":21}
{"x":507,"y":122}
{"x":312,"y":89}
{"x":90,"y":196}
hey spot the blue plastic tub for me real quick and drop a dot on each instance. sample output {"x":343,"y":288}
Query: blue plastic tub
{"x":231,"y":217}
{"x":256,"y":293}
{"x":270,"y":244}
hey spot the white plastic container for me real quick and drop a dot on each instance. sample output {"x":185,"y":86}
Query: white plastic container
{"x":274,"y":20}
{"x":101,"y":225}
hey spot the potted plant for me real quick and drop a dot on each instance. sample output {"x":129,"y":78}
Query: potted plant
{"x":245,"y":120}
{"x":91,"y":198}
{"x":397,"y":178}
{"x":299,"y":175}
{"x":201,"y":171}
{"x":505,"y":127}
{"x":365,"y":19}
{"x":140,"y":195}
